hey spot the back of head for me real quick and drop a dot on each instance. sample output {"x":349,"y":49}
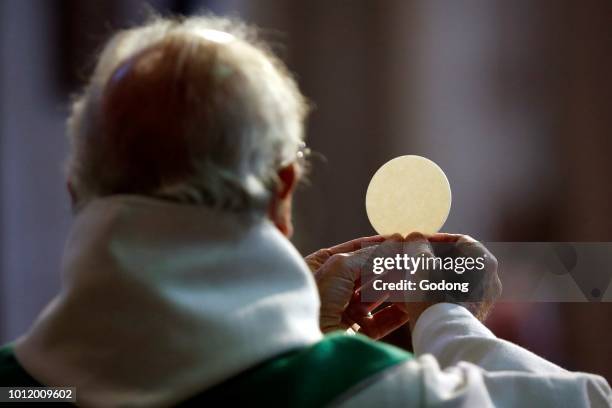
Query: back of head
{"x":196,"y":110}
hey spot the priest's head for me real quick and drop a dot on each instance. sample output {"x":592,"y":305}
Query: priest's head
{"x":197,"y":111}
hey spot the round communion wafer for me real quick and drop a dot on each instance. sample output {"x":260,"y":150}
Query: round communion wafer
{"x":408,"y":194}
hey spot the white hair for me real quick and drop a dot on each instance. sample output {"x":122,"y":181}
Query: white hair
{"x":256,"y":108}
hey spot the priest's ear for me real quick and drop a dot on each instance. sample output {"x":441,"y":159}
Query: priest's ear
{"x":279,"y":209}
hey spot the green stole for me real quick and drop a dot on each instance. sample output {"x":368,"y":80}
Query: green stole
{"x":312,"y":376}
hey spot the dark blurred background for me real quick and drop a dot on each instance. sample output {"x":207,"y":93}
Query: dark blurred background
{"x":511,"y":98}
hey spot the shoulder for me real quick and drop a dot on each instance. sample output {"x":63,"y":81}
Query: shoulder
{"x":11,"y":372}
{"x":352,"y":354}
{"x":311,"y":376}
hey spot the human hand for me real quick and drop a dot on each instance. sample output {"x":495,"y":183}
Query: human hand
{"x":486,"y":285}
{"x":318,"y":258}
{"x":337,"y":272}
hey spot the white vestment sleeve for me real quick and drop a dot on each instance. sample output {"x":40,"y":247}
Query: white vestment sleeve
{"x":452,"y":334}
{"x":460,"y":363}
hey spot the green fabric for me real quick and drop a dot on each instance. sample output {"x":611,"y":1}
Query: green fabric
{"x":11,"y":372}
{"x":308,"y":377}
{"x":13,"y":375}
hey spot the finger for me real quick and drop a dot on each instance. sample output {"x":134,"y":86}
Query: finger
{"x":357,"y":308}
{"x":355,"y":244}
{"x":444,"y":237}
{"x":417,"y":243}
{"x":316,"y":259}
{"x":416,"y":240}
{"x":383,"y":322}
{"x":470,"y":245}
{"x":458,"y":242}
{"x":348,"y":322}
{"x":356,"y":260}
{"x":345,"y":265}
{"x":416,"y":236}
{"x":468,"y":239}
{"x":319,"y":257}
{"x":392,"y":246}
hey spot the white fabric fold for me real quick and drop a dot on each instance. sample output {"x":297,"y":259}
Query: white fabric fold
{"x":161,"y":301}
{"x":452,"y":334}
{"x":460,"y":363}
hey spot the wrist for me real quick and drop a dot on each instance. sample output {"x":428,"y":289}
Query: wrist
{"x":414,"y":311}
